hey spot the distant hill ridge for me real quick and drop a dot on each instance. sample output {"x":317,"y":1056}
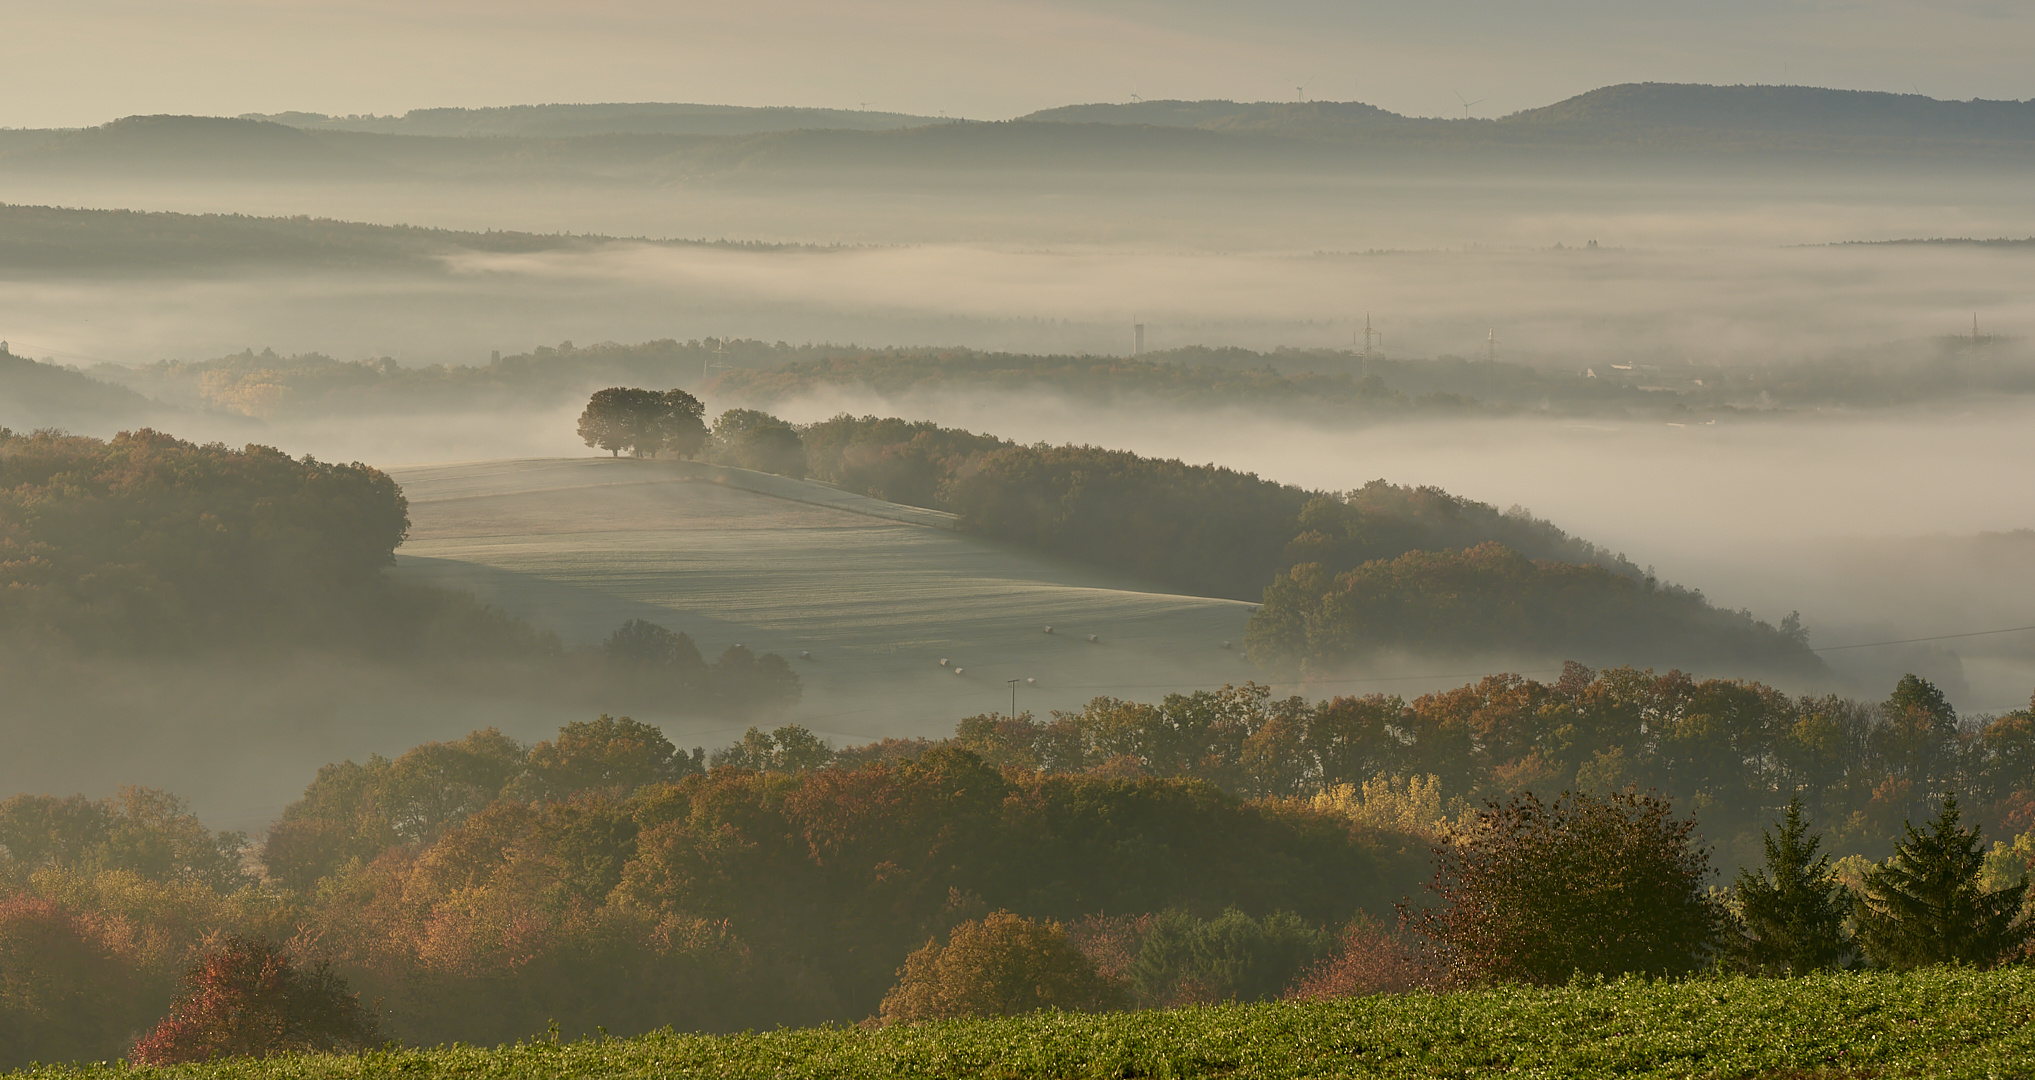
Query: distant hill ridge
{"x":1611,"y":109}
{"x":671,"y":143}
{"x":1785,"y":109}
{"x":618,"y":118}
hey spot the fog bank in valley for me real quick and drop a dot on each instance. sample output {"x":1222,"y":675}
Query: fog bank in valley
{"x":1868,"y":524}
{"x":1562,"y":308}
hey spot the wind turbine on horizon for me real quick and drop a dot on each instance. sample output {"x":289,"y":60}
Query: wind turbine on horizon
{"x":1467,"y":104}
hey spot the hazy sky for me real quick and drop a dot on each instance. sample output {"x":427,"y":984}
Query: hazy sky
{"x":77,"y":62}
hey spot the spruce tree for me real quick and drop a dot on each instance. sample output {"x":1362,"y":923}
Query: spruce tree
{"x":1925,"y":906}
{"x":1791,"y":916}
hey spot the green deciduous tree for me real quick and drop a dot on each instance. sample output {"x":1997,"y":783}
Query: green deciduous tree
{"x":684,"y":423}
{"x":1592,"y":884}
{"x":148,"y":832}
{"x":1232,"y":957}
{"x":1925,"y":905}
{"x":1791,"y":917}
{"x":644,"y":422}
{"x":749,"y":439}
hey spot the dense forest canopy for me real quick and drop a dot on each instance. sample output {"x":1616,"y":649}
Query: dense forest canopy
{"x":602,"y":882}
{"x":1735,"y":751}
{"x":145,"y":541}
{"x":1489,"y":599}
{"x":604,"y":879}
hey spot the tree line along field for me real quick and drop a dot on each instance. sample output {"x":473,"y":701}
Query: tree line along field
{"x":1942,"y":1023}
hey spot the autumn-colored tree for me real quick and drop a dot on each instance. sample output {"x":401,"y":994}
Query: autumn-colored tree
{"x":608,"y":752}
{"x":1926,"y":905}
{"x":1003,"y":965}
{"x":790,"y":748}
{"x":1369,"y":958}
{"x":1597,"y":884}
{"x":245,"y":998}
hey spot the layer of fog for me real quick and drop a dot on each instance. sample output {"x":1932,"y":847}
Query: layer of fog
{"x":241,"y":741}
{"x":1561,"y":307}
{"x":1384,"y":203}
{"x":1866,"y":524}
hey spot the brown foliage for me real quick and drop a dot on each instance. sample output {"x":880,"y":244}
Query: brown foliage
{"x":1370,"y":958}
{"x":1533,"y":892}
{"x":1003,"y":965}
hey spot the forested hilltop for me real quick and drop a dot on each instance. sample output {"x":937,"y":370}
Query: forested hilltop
{"x":34,"y":395}
{"x":146,"y":546}
{"x":1348,"y":578}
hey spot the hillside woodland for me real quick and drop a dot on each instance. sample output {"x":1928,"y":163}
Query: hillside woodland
{"x":148,"y":546}
{"x":1216,"y":846}
{"x":481,"y":890}
{"x":39,"y":395}
{"x":1344,"y":577}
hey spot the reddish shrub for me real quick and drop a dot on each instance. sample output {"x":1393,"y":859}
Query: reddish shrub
{"x":1371,"y":958}
{"x":245,"y":998}
{"x":1111,"y":942}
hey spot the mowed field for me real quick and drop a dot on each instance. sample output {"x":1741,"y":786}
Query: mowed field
{"x":580,"y":545}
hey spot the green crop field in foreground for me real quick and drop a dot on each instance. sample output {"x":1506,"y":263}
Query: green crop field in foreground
{"x":1943,"y":1023}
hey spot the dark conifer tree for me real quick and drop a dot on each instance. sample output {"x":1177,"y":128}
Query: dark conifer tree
{"x":1791,"y":916}
{"x":1926,"y":906}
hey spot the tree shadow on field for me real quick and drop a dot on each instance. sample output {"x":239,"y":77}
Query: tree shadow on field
{"x":579,"y":615}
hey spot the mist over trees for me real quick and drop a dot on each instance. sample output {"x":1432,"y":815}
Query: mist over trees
{"x":1345,"y":578}
{"x":1130,"y":854}
{"x":146,"y":546}
{"x":42,"y":395}
{"x":602,"y":854}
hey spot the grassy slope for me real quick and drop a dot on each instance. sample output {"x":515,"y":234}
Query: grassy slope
{"x":1943,"y":1023}
{"x":580,"y":545}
